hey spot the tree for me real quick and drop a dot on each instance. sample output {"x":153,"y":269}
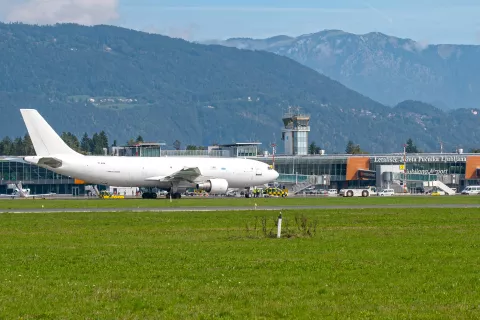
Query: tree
{"x":28,"y":149}
{"x":176,"y":145}
{"x":103,"y":139}
{"x":6,"y":147}
{"x":313,"y":148}
{"x":86,"y":144}
{"x":99,"y":141}
{"x":139,"y":139}
{"x":411,"y":148}
{"x":193,"y":147}
{"x":475,"y":151}
{"x":350,"y":147}
{"x":353,"y":148}
{"x":71,"y":140}
{"x":18,"y":147}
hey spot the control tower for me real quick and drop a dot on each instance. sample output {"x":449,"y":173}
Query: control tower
{"x":295,"y":131}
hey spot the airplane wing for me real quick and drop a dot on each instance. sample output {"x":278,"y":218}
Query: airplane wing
{"x":186,"y":174}
{"x":10,"y":196}
{"x":42,"y":195}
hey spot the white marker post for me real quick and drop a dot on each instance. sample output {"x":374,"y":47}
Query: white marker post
{"x":279,"y":229}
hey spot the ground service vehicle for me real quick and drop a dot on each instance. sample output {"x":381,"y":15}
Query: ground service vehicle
{"x":275,"y":192}
{"x":471,"y":190}
{"x":363,"y":192}
{"x":107,"y":195}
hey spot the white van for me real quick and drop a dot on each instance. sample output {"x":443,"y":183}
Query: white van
{"x":386,"y":192}
{"x":332,"y":192}
{"x":471,"y":190}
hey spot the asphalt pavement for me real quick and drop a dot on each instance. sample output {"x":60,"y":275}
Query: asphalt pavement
{"x":242,"y":208}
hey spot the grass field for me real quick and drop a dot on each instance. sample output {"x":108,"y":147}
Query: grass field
{"x":233,"y":202}
{"x":382,"y":263}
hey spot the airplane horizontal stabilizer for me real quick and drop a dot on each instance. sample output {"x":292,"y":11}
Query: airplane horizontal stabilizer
{"x":51,"y":162}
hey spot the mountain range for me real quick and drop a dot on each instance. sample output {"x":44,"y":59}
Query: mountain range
{"x":386,"y":68}
{"x":130,"y":83}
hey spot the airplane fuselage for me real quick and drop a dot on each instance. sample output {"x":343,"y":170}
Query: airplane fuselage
{"x":134,"y":171}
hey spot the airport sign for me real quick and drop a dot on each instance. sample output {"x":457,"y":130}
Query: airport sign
{"x":419,"y":159}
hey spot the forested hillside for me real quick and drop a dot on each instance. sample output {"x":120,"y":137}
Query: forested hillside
{"x":129,"y":83}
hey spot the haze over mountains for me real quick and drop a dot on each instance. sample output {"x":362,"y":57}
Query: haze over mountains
{"x":130,"y":83}
{"x":385,"y":68}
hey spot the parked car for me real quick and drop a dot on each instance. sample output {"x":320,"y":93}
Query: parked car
{"x":386,"y":192}
{"x":471,"y":190}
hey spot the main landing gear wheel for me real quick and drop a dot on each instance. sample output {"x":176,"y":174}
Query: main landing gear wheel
{"x":176,"y":195}
{"x":149,"y":195}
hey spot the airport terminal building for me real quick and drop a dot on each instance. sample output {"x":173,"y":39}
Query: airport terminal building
{"x":390,"y":170}
{"x":39,"y":180}
{"x":402,"y":172}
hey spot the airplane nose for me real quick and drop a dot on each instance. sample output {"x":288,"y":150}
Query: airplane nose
{"x":275,"y":174}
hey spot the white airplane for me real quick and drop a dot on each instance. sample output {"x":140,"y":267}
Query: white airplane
{"x":174,"y":174}
{"x":20,"y":192}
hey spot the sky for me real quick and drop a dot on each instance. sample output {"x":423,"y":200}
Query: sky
{"x":428,"y":21}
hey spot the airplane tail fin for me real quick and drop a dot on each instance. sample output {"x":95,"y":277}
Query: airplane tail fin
{"x":44,"y":139}
{"x":22,"y":193}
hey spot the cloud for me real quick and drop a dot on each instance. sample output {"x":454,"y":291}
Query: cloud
{"x":416,"y":45}
{"x":87,"y":12}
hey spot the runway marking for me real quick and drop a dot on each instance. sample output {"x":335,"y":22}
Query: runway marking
{"x":245,"y":208}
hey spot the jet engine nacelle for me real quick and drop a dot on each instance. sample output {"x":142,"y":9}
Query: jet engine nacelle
{"x":216,"y":186}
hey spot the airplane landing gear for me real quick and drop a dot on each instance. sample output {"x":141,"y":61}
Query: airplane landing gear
{"x":149,"y":195}
{"x":176,"y":195}
{"x":173,"y":192}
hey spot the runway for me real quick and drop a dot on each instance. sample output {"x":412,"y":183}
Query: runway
{"x":243,"y":208}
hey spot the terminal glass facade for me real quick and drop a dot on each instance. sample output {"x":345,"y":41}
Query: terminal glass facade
{"x":39,"y":180}
{"x":447,"y":168}
{"x":336,"y":168}
{"x":300,"y":143}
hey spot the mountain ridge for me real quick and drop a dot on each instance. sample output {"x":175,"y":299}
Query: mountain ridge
{"x":130,"y":83}
{"x":386,"y":68}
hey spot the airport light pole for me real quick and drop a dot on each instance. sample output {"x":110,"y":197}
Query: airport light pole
{"x":273,"y":155}
{"x":404,"y":168}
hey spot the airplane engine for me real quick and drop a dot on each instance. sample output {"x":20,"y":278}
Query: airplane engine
{"x":216,"y":186}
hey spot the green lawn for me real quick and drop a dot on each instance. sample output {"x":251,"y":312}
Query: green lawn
{"x":207,"y":202}
{"x":372,"y":263}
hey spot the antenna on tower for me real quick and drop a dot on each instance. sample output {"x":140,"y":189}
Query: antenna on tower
{"x":441,"y":145}
{"x":273,"y":145}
